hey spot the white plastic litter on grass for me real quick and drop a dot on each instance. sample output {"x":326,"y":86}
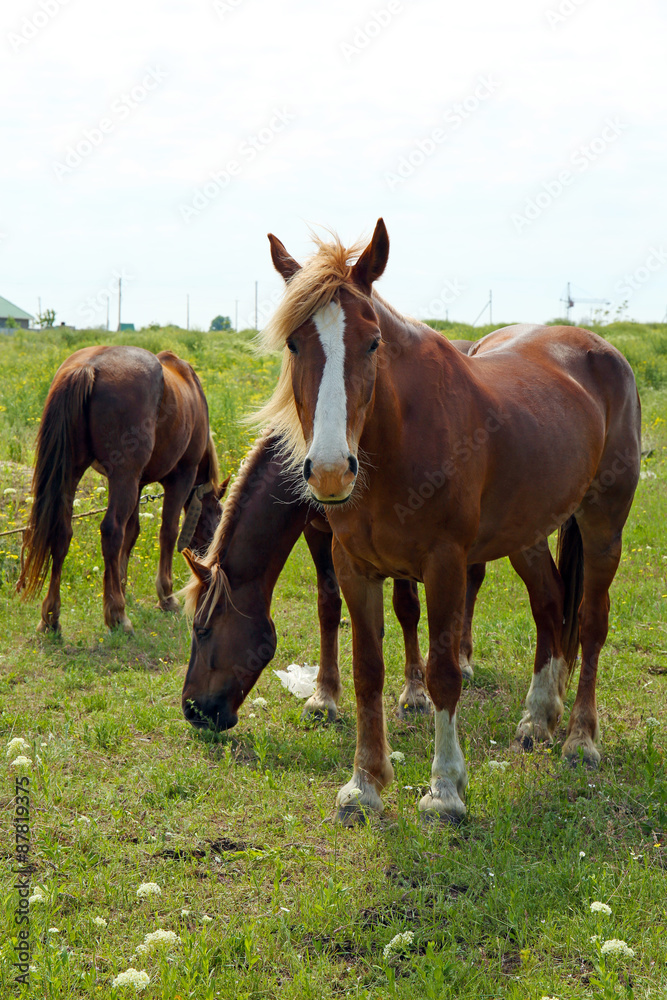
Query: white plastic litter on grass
{"x":299,"y":679}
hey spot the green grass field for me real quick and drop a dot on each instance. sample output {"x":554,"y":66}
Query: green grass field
{"x":266,"y":894}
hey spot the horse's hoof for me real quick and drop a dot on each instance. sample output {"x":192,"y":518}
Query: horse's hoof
{"x":442,"y":802}
{"x":170,"y":603}
{"x":48,"y":628}
{"x":351,"y":815}
{"x":357,"y":801}
{"x":122,"y":625}
{"x":412,"y":702}
{"x":529,"y":734}
{"x":320,"y":707}
{"x":466,"y":667}
{"x":581,"y":750}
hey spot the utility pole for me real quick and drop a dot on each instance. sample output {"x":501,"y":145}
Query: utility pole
{"x":256,"y":326}
{"x":488,"y":305}
{"x":188,"y":312}
{"x":120,"y":281}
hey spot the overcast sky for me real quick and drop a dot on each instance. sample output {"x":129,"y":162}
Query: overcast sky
{"x":510,"y":146}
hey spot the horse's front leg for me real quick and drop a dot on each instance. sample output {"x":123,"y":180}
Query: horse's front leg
{"x":445,"y":584}
{"x":372,"y":768}
{"x":324,"y":702}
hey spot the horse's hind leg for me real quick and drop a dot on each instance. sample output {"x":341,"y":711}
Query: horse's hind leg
{"x":123,"y":497}
{"x":129,"y":541}
{"x":602,"y":553}
{"x":50,"y":617}
{"x":474,"y":580}
{"x":544,"y":701}
{"x":324,"y":702}
{"x":414,"y":696}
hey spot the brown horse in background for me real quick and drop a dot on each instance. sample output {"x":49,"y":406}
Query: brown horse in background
{"x":465,"y":459}
{"x":136,"y":418}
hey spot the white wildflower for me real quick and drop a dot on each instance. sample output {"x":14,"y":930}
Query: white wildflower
{"x":100,"y":489}
{"x":16,"y":746}
{"x":141,"y":949}
{"x":597,"y":907}
{"x":185,"y":913}
{"x":9,"y":491}
{"x":132,"y":977}
{"x":29,"y":499}
{"x":76,"y":503}
{"x":83,"y":819}
{"x":146,"y":514}
{"x":148,"y":889}
{"x":54,"y":930}
{"x":37,"y":896}
{"x":396,"y":757}
{"x":582,"y":854}
{"x":99,"y":921}
{"x":158,"y":938}
{"x":259,"y":702}
{"x":616,"y":947}
{"x":21,"y":761}
{"x":355,"y":793}
{"x":499,"y":765}
{"x":96,"y":569}
{"x":251,"y":715}
{"x":398,"y":944}
{"x":652,"y":721}
{"x":408,"y":788}
{"x":206,"y":919}
{"x":596,"y":937}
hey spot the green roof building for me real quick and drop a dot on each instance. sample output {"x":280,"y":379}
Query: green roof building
{"x":9,"y":310}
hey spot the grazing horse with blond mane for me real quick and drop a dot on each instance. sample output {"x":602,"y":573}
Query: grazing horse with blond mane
{"x":537,"y":429}
{"x":137,"y":418}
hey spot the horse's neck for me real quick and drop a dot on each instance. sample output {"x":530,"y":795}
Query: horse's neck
{"x":416,"y":363}
{"x":267,"y":519}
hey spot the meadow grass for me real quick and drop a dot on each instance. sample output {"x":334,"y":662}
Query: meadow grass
{"x":239,"y":827}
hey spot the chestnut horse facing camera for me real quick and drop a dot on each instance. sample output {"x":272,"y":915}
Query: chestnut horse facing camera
{"x":230,"y":593}
{"x":428,"y":460}
{"x":137,"y":418}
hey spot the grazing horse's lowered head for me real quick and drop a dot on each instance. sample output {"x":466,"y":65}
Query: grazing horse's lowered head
{"x":328,"y":334}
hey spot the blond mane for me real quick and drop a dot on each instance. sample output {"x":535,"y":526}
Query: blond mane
{"x":310,"y":289}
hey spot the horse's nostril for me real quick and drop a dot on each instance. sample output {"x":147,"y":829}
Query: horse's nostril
{"x":307,"y":469}
{"x":353,"y":464}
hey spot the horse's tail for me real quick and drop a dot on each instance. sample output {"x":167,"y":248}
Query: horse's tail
{"x":52,"y":479}
{"x":570,"y":560}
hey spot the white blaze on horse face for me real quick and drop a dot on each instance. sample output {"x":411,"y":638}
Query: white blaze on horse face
{"x":329,"y":445}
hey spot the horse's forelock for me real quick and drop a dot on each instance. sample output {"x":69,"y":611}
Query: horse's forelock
{"x":201,"y":597}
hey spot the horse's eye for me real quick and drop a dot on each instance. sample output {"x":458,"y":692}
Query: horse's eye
{"x":291,"y":347}
{"x":202,"y":632}
{"x":374,"y":346}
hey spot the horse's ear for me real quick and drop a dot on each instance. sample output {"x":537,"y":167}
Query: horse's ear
{"x":222,"y":488}
{"x":202,"y":572}
{"x":373,"y":260}
{"x":284,"y":264}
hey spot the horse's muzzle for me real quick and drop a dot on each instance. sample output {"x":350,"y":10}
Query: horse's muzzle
{"x":331,"y":483}
{"x":209,"y":715}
